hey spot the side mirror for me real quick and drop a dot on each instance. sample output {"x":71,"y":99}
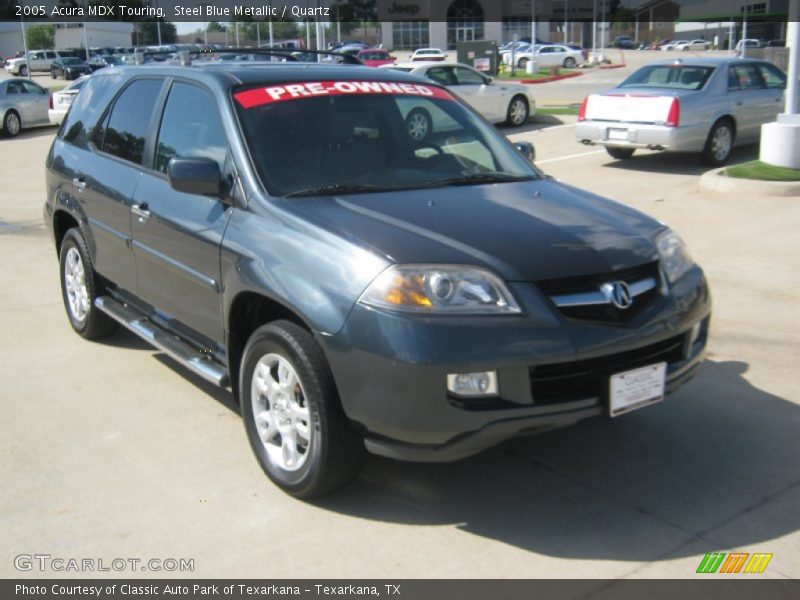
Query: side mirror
{"x":195,"y":175}
{"x":489,"y":80}
{"x":526,"y":149}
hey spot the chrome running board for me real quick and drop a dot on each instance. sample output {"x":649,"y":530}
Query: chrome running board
{"x":191,"y":358}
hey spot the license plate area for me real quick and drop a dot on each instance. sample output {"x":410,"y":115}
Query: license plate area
{"x":636,"y":389}
{"x":618,"y":134}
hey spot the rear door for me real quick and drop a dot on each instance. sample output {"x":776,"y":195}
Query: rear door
{"x":774,"y":81}
{"x":25,"y":103}
{"x":177,"y":236}
{"x":105,"y":181}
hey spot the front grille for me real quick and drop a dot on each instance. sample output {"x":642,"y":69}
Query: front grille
{"x":603,"y":313}
{"x":581,"y":379}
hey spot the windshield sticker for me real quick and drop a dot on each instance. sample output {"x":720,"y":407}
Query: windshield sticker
{"x":310,"y":89}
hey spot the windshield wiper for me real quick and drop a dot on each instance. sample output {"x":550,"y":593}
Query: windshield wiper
{"x":492,"y":177}
{"x":337,"y":188}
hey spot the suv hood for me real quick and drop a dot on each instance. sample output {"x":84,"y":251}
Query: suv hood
{"x":524,"y":231}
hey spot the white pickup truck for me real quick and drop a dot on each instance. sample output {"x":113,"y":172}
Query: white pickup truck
{"x":699,"y":105}
{"x":39,"y":60}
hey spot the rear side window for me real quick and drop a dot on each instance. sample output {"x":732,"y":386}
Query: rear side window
{"x":190,"y":127}
{"x":774,"y":78}
{"x":88,"y":106}
{"x":670,"y":77}
{"x":744,"y":77}
{"x":124,"y":131}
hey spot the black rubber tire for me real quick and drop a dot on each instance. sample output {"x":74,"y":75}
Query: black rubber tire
{"x":569,"y":62}
{"x":337,"y":451}
{"x":96,"y":324}
{"x":522,"y":62}
{"x":23,"y":71}
{"x":426,"y":116}
{"x":707,"y":155}
{"x":53,"y":75}
{"x":527,"y":111}
{"x":620,"y":153}
{"x":7,"y":130}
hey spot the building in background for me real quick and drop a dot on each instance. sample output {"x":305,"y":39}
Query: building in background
{"x":410,"y":24}
{"x":98,"y":34}
{"x":10,"y":39}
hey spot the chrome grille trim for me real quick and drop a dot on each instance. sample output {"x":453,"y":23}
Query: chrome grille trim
{"x":637,"y":288}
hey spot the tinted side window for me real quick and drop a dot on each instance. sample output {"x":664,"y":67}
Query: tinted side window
{"x":773,"y":76}
{"x":744,"y":77}
{"x":87,"y":107}
{"x":130,"y":119}
{"x":190,"y":127}
{"x":468,"y":77}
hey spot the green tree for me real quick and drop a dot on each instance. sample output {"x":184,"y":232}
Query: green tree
{"x":40,"y":37}
{"x":216,"y":26}
{"x":146,"y":33}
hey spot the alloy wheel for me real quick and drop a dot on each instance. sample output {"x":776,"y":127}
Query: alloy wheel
{"x":281,"y":412}
{"x":75,"y":284}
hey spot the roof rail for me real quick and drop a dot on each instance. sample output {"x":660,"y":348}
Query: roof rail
{"x":186,"y":57}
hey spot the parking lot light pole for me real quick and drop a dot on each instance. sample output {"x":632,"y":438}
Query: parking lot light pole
{"x":780,"y":141}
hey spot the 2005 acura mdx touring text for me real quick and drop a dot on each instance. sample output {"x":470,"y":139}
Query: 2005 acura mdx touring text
{"x":275,"y":229}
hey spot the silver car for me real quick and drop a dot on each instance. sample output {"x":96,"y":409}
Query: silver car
{"x":697,"y":105}
{"x":496,"y":101}
{"x":23,"y":104}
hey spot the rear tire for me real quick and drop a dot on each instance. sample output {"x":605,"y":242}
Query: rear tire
{"x":11,"y":124}
{"x":719,"y":144}
{"x":419,"y":124}
{"x":522,"y":63}
{"x":292,"y":415}
{"x":620,"y":153}
{"x":569,"y":62}
{"x":80,"y":287}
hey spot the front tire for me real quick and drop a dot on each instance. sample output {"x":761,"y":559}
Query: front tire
{"x":719,"y":144}
{"x":620,"y":153}
{"x":23,"y":71}
{"x":11,"y":124}
{"x":292,"y":415}
{"x":517,"y":113}
{"x":80,"y":287}
{"x":522,"y":63}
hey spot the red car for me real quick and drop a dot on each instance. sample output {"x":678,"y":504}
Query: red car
{"x":373,"y":57}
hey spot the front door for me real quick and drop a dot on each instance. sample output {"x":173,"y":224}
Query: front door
{"x":177,"y":236}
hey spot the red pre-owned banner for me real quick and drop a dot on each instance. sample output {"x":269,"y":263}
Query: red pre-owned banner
{"x":310,"y":89}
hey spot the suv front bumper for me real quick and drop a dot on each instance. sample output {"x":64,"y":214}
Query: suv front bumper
{"x":391,"y":370}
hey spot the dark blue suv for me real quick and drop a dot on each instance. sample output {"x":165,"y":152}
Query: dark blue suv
{"x":278,"y":230}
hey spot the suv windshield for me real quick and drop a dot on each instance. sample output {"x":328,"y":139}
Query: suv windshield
{"x":343,"y":137}
{"x":676,"y":77}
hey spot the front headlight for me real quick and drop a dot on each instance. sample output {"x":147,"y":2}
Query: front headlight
{"x":675,"y":257}
{"x":449,"y":289}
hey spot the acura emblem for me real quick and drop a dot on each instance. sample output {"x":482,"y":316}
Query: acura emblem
{"x":618,"y":294}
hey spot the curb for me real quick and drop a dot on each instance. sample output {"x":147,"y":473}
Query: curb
{"x":715,"y":180}
{"x":611,"y":66}
{"x":549,"y":79}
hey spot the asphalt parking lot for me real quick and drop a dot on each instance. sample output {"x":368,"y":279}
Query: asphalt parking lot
{"x":113,"y":450}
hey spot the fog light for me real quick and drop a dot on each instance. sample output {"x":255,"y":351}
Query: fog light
{"x":481,"y":383}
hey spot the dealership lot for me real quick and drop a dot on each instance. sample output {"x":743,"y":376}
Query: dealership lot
{"x":112,"y":450}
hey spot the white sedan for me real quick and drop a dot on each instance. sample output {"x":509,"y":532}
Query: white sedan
{"x":428,"y":54}
{"x":547,"y":55}
{"x":693,"y":45}
{"x":61,"y":101}
{"x":496,"y":102}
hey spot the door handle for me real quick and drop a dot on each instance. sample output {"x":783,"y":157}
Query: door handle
{"x":739,"y":103}
{"x":79,"y":183}
{"x":140,"y":210}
